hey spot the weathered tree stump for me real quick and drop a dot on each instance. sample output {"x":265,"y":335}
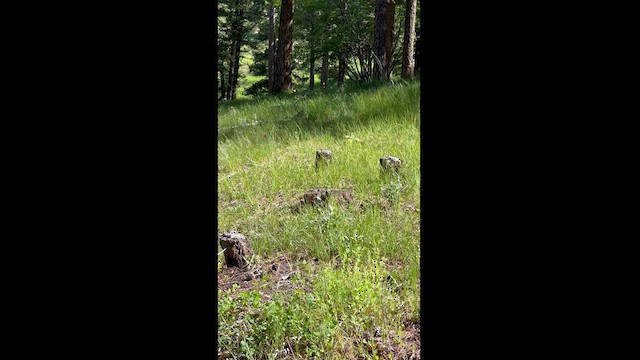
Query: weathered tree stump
{"x":343,"y":196}
{"x":316,"y":197}
{"x":323,"y":156}
{"x":390,"y":163}
{"x":320,"y":196}
{"x":237,"y":251}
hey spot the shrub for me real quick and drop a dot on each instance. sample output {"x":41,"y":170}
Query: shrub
{"x":259,"y":87}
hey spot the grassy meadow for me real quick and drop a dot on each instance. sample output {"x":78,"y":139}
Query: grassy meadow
{"x":335,"y":282}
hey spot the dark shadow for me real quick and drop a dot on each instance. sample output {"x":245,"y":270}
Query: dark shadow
{"x":303,"y":92}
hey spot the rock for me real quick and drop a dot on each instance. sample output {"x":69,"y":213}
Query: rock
{"x":323,"y":156}
{"x":237,"y":250}
{"x":390,"y":163}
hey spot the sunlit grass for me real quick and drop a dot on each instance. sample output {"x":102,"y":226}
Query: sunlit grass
{"x":266,"y":159}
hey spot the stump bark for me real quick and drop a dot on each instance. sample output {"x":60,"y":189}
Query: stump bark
{"x":315,"y":196}
{"x":343,"y":196}
{"x":390,"y":163}
{"x":237,"y":251}
{"x":323,"y":156}
{"x":320,"y":196}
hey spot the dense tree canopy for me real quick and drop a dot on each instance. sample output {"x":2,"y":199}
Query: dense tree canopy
{"x":286,"y":42}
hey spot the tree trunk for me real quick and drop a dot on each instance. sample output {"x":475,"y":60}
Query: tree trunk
{"x":236,"y":74}
{"x":342,"y":65}
{"x":395,"y":47}
{"x":272,"y":44}
{"x":418,"y":56}
{"x":312,"y":70}
{"x":231,"y":68}
{"x":324,"y":72}
{"x":342,"y":55}
{"x":369,"y":68}
{"x":234,"y":63}
{"x":221,"y":84}
{"x":409,"y":35}
{"x":282,"y":76}
{"x":388,"y":50}
{"x":379,"y":37}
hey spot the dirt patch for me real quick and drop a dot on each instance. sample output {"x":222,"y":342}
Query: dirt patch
{"x":230,"y":276}
{"x":410,"y":206}
{"x":411,"y":343}
{"x":269,"y":276}
{"x":405,"y":346}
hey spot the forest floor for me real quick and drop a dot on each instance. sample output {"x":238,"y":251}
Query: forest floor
{"x":334,"y":280}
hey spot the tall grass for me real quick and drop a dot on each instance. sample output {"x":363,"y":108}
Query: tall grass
{"x":266,"y":155}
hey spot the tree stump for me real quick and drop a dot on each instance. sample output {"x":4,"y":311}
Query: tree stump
{"x":237,"y":251}
{"x":343,"y":196}
{"x":323,"y":156}
{"x":390,"y":163}
{"x":315,"y":196}
{"x":320,"y":196}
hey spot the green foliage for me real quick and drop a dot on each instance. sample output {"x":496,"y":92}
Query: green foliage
{"x":259,"y":87}
{"x":392,"y":190}
{"x":241,"y":17}
{"x":343,"y":305}
{"x":333,"y":27}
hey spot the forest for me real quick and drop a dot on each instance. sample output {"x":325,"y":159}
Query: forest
{"x":318,"y":186}
{"x":270,"y":46}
